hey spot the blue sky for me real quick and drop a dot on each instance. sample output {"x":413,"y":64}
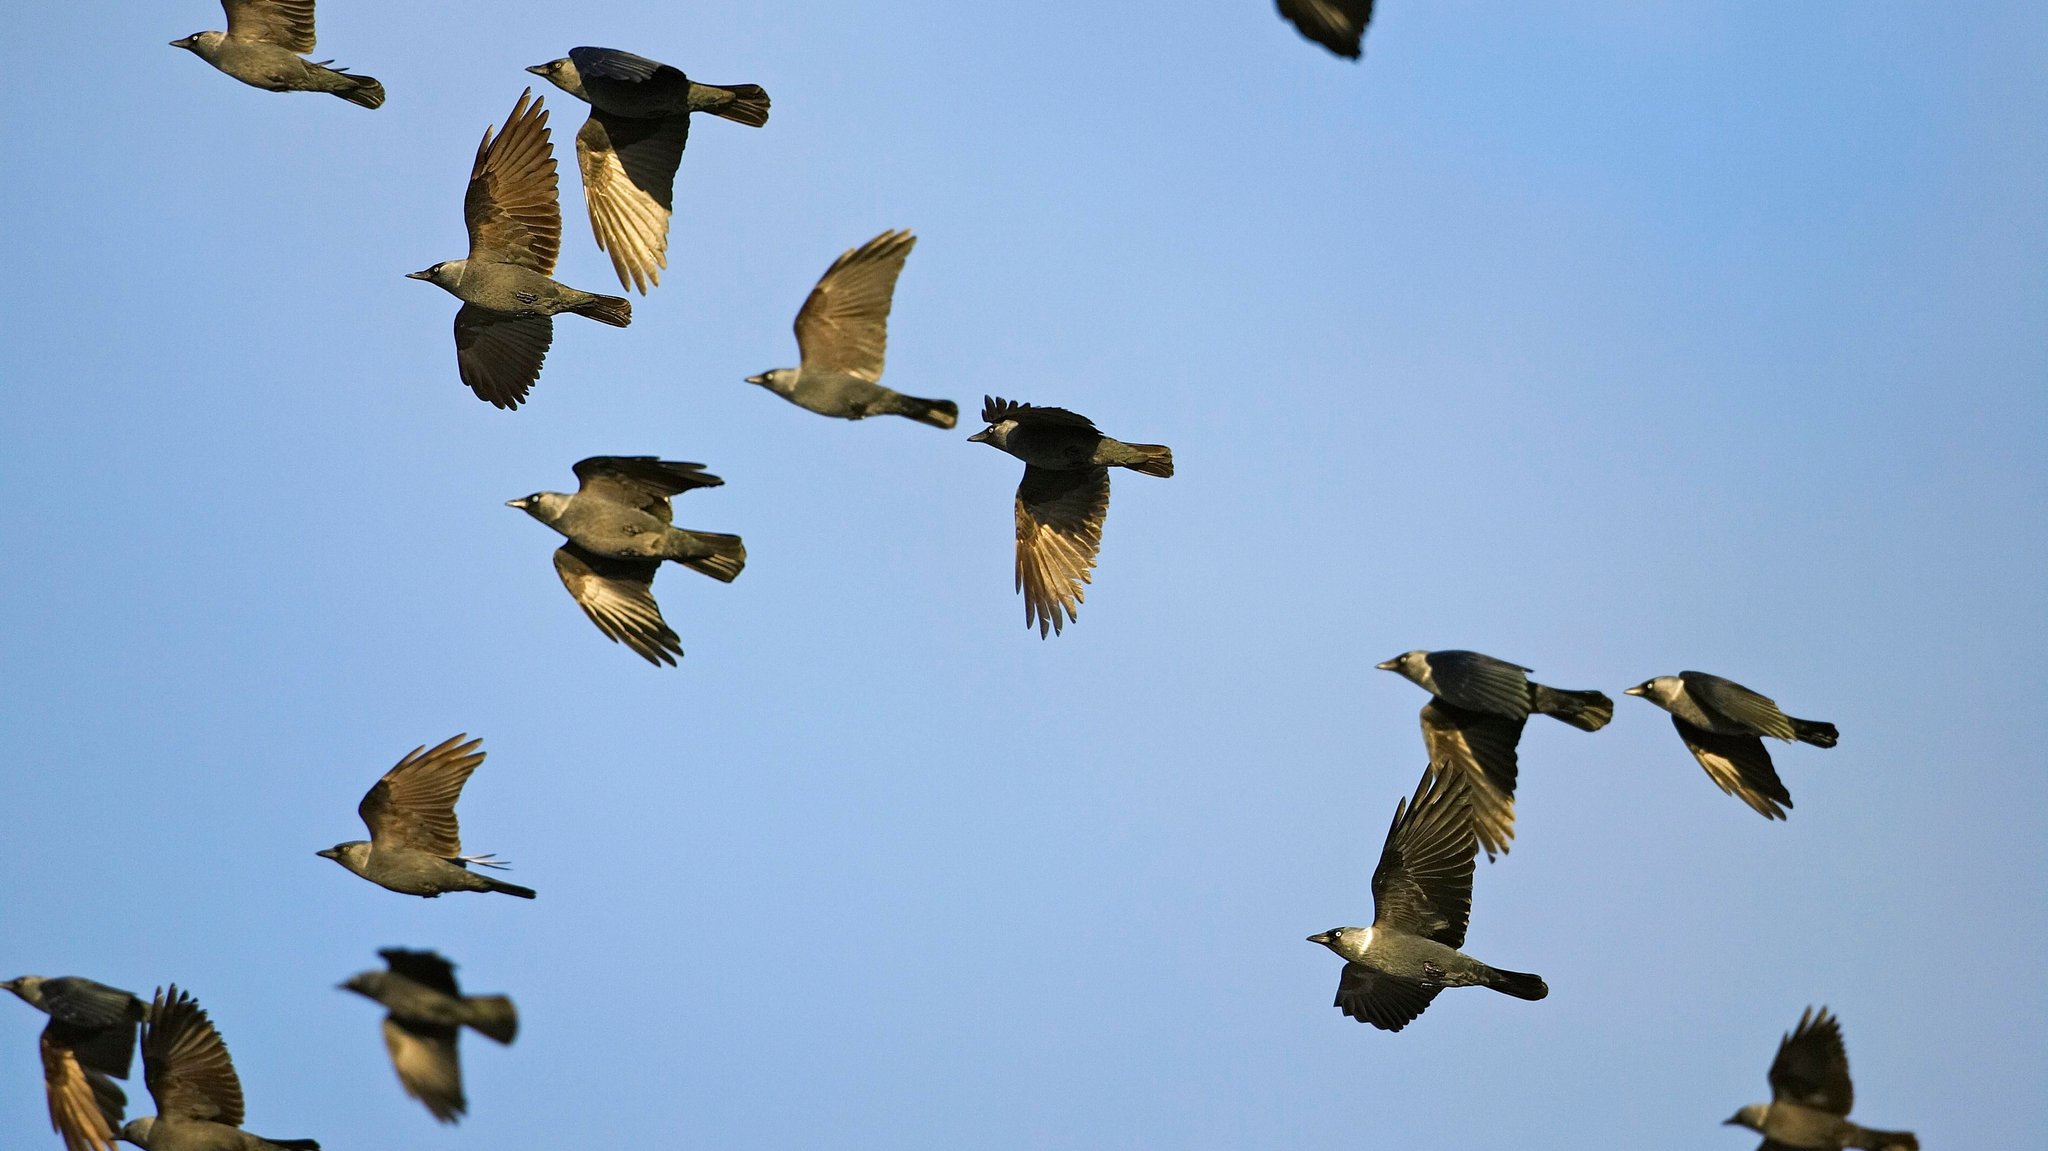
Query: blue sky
{"x":1613,"y":338}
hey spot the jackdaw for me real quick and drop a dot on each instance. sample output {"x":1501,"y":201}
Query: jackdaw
{"x":425,"y":1014}
{"x":262,"y":45}
{"x":88,"y":1043}
{"x":1061,"y":502}
{"x":629,"y":148}
{"x":842,"y":332}
{"x":415,"y":845}
{"x":1422,"y":896}
{"x":198,"y":1097}
{"x":1811,"y":1096}
{"x":1475,"y":720}
{"x":1338,"y":25}
{"x":506,"y":322}
{"x":619,"y":527}
{"x":1722,"y":722}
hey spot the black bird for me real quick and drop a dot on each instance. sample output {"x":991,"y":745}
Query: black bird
{"x":88,"y":1043}
{"x":619,"y":526}
{"x":415,"y":844}
{"x":629,"y":148}
{"x":1062,"y":500}
{"x":1475,"y":720}
{"x":1338,"y":25}
{"x":1723,"y":722}
{"x":1811,"y":1096}
{"x":425,"y":1013}
{"x":842,"y":333}
{"x":509,"y":300}
{"x":261,"y":48}
{"x":198,"y":1096}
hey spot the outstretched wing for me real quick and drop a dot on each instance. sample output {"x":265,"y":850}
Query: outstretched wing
{"x":995,"y":409}
{"x":1481,"y":747}
{"x":186,"y":1064}
{"x":426,"y":968}
{"x":618,"y":596}
{"x":642,"y":482}
{"x":1738,"y":765}
{"x":413,"y":806}
{"x":1480,"y":682}
{"x":1381,"y":1000}
{"x":428,"y":1066}
{"x":1724,"y":699}
{"x":843,"y":327}
{"x":1423,"y":884}
{"x":1338,"y":25}
{"x":1812,"y":1068}
{"x":1059,"y":532}
{"x":511,"y":207}
{"x":86,"y":1108}
{"x":285,"y":23}
{"x":500,"y":356}
{"x":629,"y":176}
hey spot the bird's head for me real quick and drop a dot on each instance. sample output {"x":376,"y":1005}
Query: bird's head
{"x":28,"y":987}
{"x":781,"y":381}
{"x":352,"y":855}
{"x":1751,"y":1117}
{"x":137,"y":1131}
{"x":1411,"y":664}
{"x":562,"y":74}
{"x":444,"y":274}
{"x":366,"y":983}
{"x":996,"y":435}
{"x":1349,"y":942}
{"x":1661,"y":690}
{"x":546,"y":507}
{"x":200,"y":42}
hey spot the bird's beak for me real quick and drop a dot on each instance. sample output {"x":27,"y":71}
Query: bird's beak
{"x":327,"y":853}
{"x":1736,"y":1121}
{"x":186,"y":43}
{"x":761,"y":379}
{"x":519,"y":503}
{"x":539,"y":69}
{"x":980,"y":437}
{"x":423,"y":274}
{"x":1635,"y":691}
{"x":1389,"y":665}
{"x":1322,"y":937}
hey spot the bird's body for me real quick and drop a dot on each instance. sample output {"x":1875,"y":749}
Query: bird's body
{"x":415,"y":844}
{"x":425,"y":1013}
{"x":198,"y":1095}
{"x":1338,"y":25}
{"x":1724,"y":724}
{"x":261,"y":48}
{"x":509,"y":289}
{"x":168,"y":1133}
{"x":1811,"y":1096}
{"x":88,"y":1043}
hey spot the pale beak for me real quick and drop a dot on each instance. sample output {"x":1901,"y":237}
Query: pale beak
{"x":980,"y":437}
{"x":1322,"y":937}
{"x":424,"y":274}
{"x":1390,"y":665}
{"x":1638,"y":691}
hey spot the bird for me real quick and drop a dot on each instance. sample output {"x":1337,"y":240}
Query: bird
{"x":619,"y":526}
{"x":1474,"y":720}
{"x":425,"y":1013}
{"x":1722,"y":722}
{"x":842,"y":333}
{"x":509,"y":301}
{"x":1811,"y":1096}
{"x":1422,"y":897}
{"x":629,"y":147}
{"x":262,"y":48}
{"x":88,"y":1043}
{"x":1062,"y":499}
{"x":415,"y":844}
{"x":1338,"y":25}
{"x":198,"y":1097}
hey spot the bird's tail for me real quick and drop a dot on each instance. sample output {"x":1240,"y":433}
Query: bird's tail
{"x":500,"y":885}
{"x":1815,"y":732}
{"x":493,"y":1015}
{"x":1585,"y":710}
{"x":613,"y":310}
{"x":741,"y":103}
{"x":1868,"y":1140}
{"x":728,"y":556}
{"x":362,"y":91}
{"x":1153,"y":459}
{"x":295,"y":1144}
{"x":1517,"y":984}
{"x":937,"y":413}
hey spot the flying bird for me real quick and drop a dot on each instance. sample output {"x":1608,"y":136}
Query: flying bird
{"x":509,"y":301}
{"x":1723,"y":722}
{"x":198,"y":1097}
{"x":1062,"y":500}
{"x":262,"y":48}
{"x":1338,"y":25}
{"x":415,"y":844}
{"x":842,"y":333}
{"x":88,"y":1043}
{"x":425,"y":1013}
{"x":1422,"y":897}
{"x":1474,"y":720}
{"x":619,"y":526}
{"x":629,"y":148}
{"x":1811,"y":1096}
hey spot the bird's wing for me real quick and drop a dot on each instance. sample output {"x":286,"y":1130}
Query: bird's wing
{"x":1738,"y":765}
{"x":629,"y":175}
{"x":614,"y":64}
{"x":1381,"y":1000}
{"x":642,"y":482}
{"x":843,"y":327}
{"x":511,"y":208}
{"x":428,"y":1067}
{"x":109,"y":1050}
{"x":426,"y":968}
{"x":1423,"y":885}
{"x":1726,"y":699}
{"x":285,"y":23}
{"x":1481,"y":746}
{"x":1812,"y":1069}
{"x":995,"y":409}
{"x":1481,"y":682}
{"x":1059,"y":532}
{"x":413,"y":806}
{"x":84,"y":1003}
{"x":85,"y":1106}
{"x":1338,"y":25}
{"x":500,"y":356}
{"x":185,"y":1063}
{"x":618,"y":596}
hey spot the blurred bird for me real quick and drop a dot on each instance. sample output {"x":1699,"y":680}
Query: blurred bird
{"x":415,"y":845}
{"x":198,"y":1096}
{"x":618,"y":523}
{"x":425,"y":1015}
{"x":1811,"y":1096}
{"x":506,"y":321}
{"x":629,"y":148}
{"x":89,"y":1042}
{"x":262,"y":45}
{"x":842,"y":332}
{"x":1722,"y":722}
{"x":1062,"y":500}
{"x":1338,"y":25}
{"x":1422,"y":897}
{"x":1475,"y":720}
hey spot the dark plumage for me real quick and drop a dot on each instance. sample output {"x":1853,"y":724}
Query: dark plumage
{"x":425,"y":1013}
{"x":1338,"y":25}
{"x":88,"y":1043}
{"x":261,"y":48}
{"x":198,"y":1096}
{"x":415,"y":844}
{"x":1722,"y":722}
{"x":1811,"y":1096}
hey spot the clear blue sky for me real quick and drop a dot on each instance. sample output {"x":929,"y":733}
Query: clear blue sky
{"x":1614,"y":338}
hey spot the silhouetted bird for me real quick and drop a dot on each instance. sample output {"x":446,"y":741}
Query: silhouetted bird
{"x":261,"y":48}
{"x":1475,"y":720}
{"x":425,"y":1014}
{"x":842,"y":333}
{"x":415,"y":845}
{"x":1422,"y":896}
{"x":1721,"y":721}
{"x":1062,"y":500}
{"x":1811,"y":1096}
{"x":89,"y":1042}
{"x":198,"y":1097}
{"x":618,"y":524}
{"x":629,"y":148}
{"x":1338,"y":25}
{"x":506,"y":322}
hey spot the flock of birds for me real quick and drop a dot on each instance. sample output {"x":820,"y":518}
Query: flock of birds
{"x":619,"y":529}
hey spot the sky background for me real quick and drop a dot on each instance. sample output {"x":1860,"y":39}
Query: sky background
{"x":1611,"y":338}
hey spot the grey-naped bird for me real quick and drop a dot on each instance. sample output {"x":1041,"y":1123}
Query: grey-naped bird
{"x":198,"y":1096}
{"x":1811,"y":1096}
{"x":425,"y":1013}
{"x":415,"y":844}
{"x":620,"y":528}
{"x":261,"y":48}
{"x":509,"y":301}
{"x":842,"y":334}
{"x":88,"y":1043}
{"x":1474,"y":721}
{"x":1338,"y":25}
{"x":1062,"y":499}
{"x":1422,"y":897}
{"x":1722,"y":722}
{"x":630,"y":147}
